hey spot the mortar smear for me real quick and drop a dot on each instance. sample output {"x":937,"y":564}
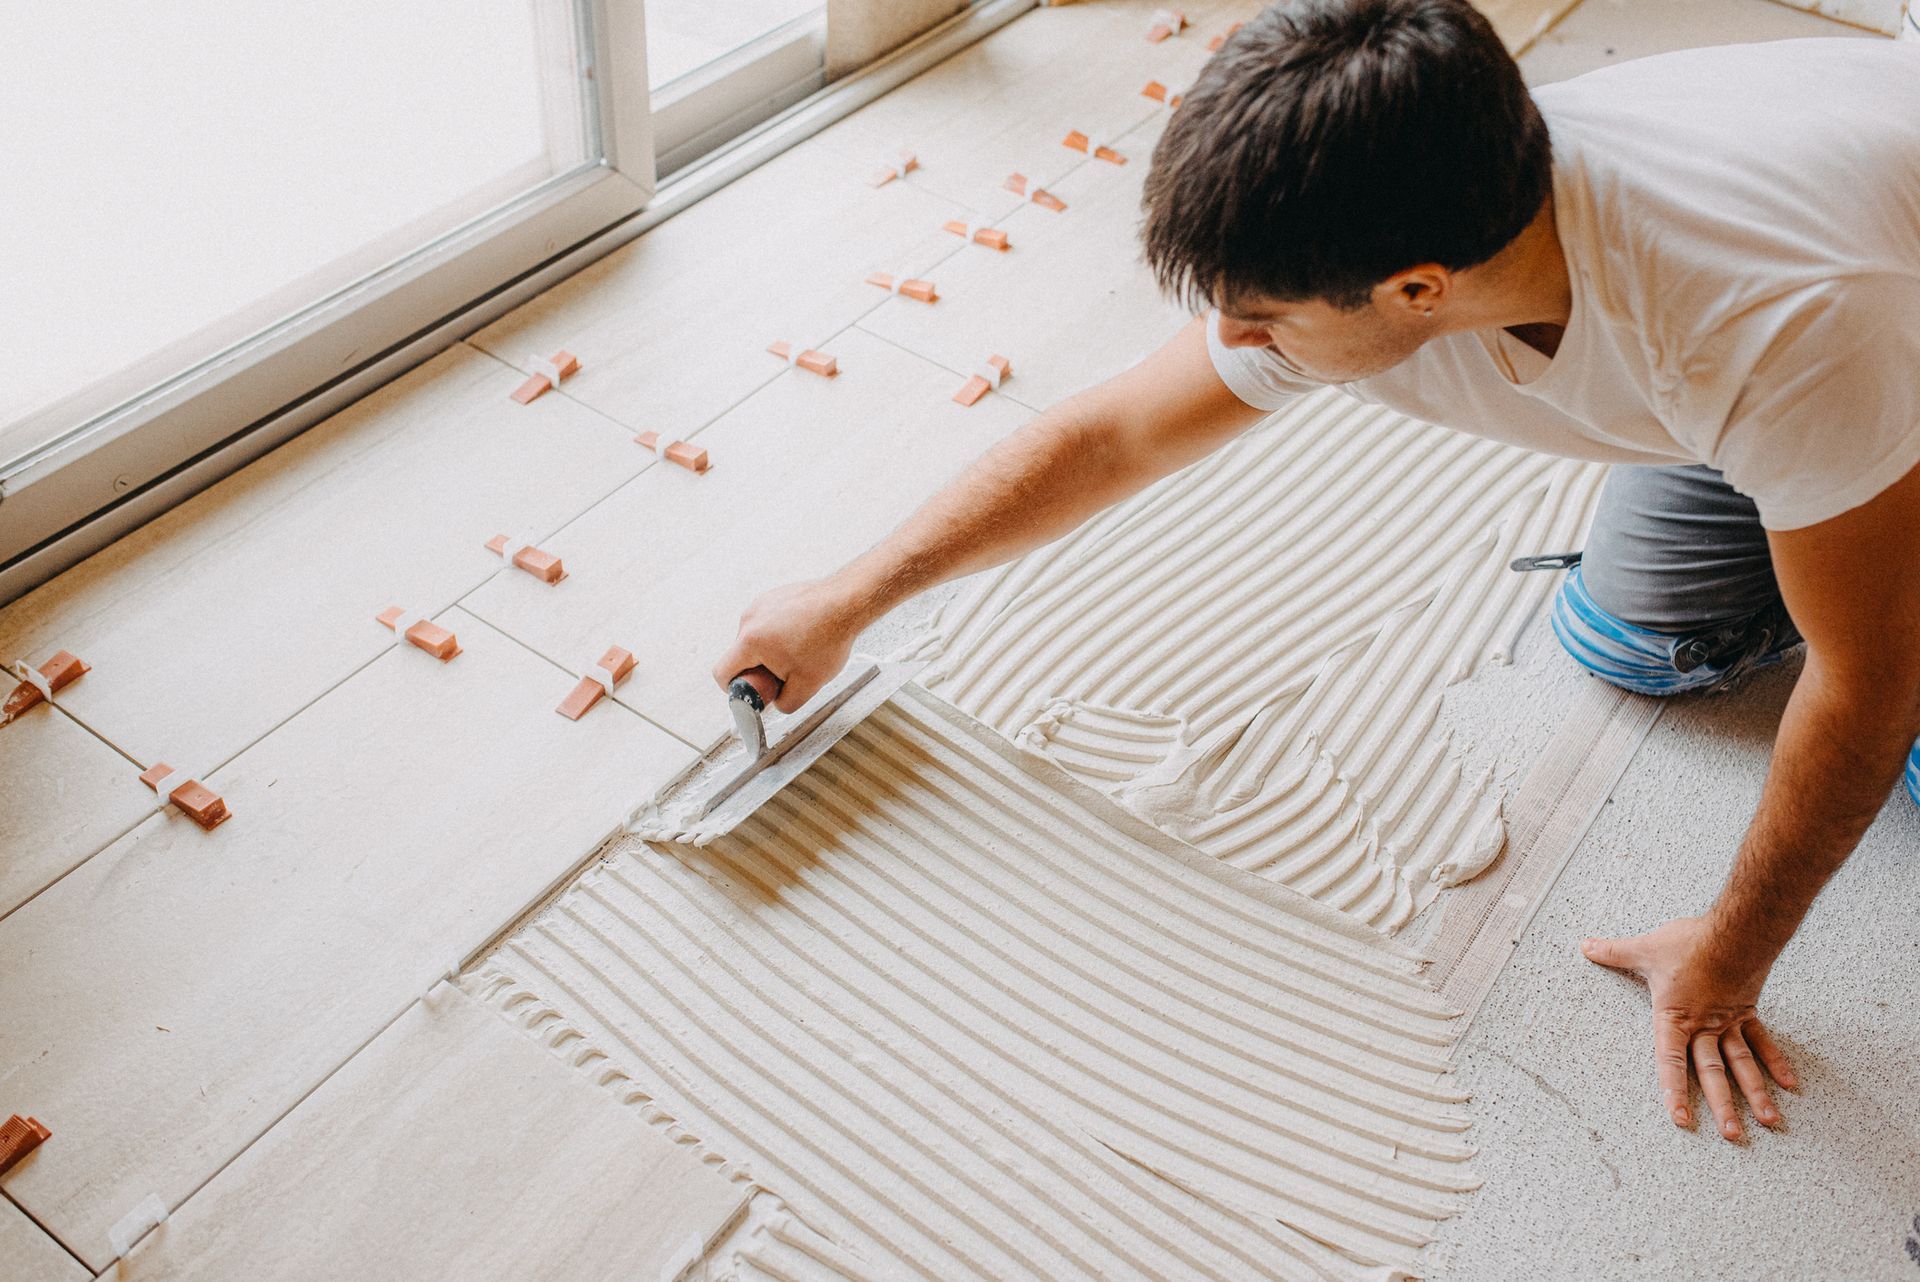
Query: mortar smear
{"x":1252,"y":653}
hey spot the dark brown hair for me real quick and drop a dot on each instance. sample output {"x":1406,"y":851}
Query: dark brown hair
{"x":1332,"y":143}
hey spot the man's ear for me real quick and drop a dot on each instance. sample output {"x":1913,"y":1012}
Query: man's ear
{"x":1417,"y":292}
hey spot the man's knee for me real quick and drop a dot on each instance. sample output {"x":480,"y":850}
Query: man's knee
{"x":1648,"y":661}
{"x":1625,"y":654}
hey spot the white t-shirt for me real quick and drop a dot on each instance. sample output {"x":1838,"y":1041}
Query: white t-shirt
{"x":1742,"y":233}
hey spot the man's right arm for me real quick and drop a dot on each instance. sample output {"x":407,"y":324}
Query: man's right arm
{"x":1080,"y":457}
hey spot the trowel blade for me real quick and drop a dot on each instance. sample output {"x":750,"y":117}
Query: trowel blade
{"x":832,"y":714}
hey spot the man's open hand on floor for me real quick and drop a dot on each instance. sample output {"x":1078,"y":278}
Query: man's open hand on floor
{"x":1702,"y":1017}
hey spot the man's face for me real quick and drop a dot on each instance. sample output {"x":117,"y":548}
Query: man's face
{"x":1323,"y":342}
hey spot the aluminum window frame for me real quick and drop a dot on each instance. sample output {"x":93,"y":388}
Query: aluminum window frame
{"x":710,"y":106}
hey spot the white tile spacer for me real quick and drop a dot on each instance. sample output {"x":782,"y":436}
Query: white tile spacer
{"x":897,"y":165}
{"x":969,"y":230}
{"x":547,"y":368}
{"x":795,"y":351}
{"x":127,"y":1231}
{"x":600,"y":672}
{"x":991,"y":373}
{"x":34,"y":677}
{"x":448,"y":976}
{"x":1097,"y":144}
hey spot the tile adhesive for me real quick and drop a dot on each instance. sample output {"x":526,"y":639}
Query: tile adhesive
{"x":1251,"y":655}
{"x":970,"y":1019}
{"x":1071,"y":963}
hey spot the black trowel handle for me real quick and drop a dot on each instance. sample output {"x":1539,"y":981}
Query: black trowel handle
{"x":747,"y":697}
{"x":757,"y":687}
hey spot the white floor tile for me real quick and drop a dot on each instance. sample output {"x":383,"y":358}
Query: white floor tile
{"x":66,"y":795}
{"x":164,"y":1003}
{"x":805,"y":475}
{"x":28,"y":1255}
{"x":216,"y":622}
{"x":452,"y":1146}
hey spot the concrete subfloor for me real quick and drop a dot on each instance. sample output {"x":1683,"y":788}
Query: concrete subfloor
{"x":1585,"y":1176}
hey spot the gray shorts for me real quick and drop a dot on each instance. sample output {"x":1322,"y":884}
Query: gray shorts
{"x":1677,"y":549}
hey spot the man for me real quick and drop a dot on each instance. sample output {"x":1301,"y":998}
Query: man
{"x":1703,"y":268}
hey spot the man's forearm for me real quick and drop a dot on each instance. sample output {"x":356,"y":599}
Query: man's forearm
{"x":1838,"y":754}
{"x":1031,"y":488}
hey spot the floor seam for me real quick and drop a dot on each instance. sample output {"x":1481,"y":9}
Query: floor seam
{"x":226,"y":761}
{"x":549,"y":659}
{"x":53,"y":1237}
{"x":919,"y":355}
{"x":758,"y":388}
{"x":288,"y":1111}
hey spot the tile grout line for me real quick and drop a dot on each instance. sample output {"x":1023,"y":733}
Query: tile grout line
{"x":559,"y":885}
{"x":710,"y":421}
{"x":458,"y":601}
{"x":549,"y":659}
{"x":563,"y":394}
{"x":53,"y":1237}
{"x":922,"y":356}
{"x":226,"y":761}
{"x":282,"y":1116}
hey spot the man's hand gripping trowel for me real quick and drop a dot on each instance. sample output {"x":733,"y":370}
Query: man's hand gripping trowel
{"x":737,"y":775}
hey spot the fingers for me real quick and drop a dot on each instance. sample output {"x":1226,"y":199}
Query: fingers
{"x":736,"y":660}
{"x":1715,"y":1084}
{"x":1670,"y":1066}
{"x":1620,"y":953}
{"x":1746,"y":1074}
{"x":1771,"y":1055}
{"x":800,"y":687}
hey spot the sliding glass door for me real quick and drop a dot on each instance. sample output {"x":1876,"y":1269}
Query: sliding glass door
{"x":212,"y":208}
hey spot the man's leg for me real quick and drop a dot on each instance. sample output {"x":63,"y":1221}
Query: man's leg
{"x":1675,"y":591}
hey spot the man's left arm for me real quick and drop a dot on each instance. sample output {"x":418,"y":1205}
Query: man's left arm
{"x":1852,"y":585}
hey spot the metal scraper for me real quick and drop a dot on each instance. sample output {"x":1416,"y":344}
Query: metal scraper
{"x":738,"y":775}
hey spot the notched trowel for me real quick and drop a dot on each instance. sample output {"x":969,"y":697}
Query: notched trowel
{"x":736,"y":776}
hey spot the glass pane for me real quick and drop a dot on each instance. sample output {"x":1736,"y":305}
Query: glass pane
{"x":685,"y":35}
{"x":182,"y":176}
